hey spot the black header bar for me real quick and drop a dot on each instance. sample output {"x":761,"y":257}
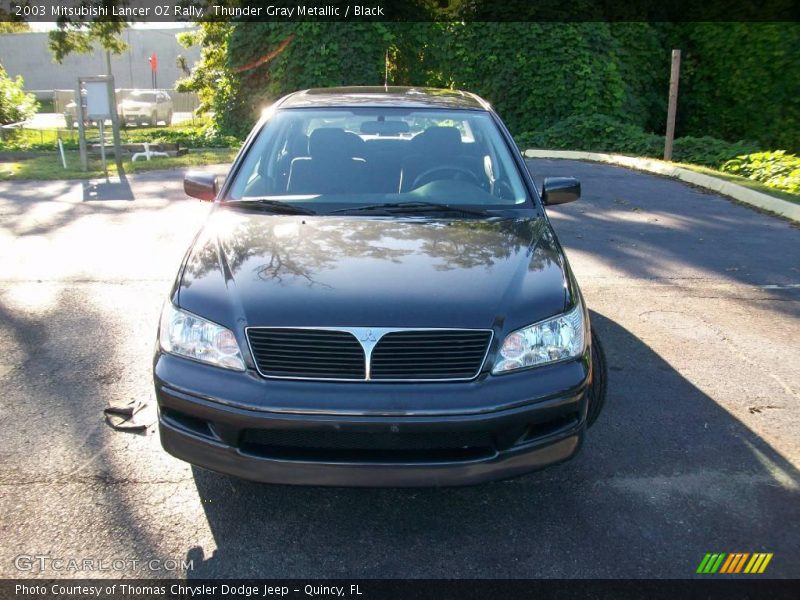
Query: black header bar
{"x":401,"y":10}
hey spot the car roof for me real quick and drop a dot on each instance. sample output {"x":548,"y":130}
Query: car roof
{"x":384,"y":96}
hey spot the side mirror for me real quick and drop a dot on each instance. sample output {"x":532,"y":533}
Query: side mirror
{"x":199,"y":184}
{"x":560,"y":190}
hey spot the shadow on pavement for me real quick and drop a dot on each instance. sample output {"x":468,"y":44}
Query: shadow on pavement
{"x":56,"y":392}
{"x":656,"y":228}
{"x":665,"y":476}
{"x":115,"y":189}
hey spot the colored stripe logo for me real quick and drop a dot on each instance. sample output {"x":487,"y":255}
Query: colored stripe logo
{"x":736,"y":562}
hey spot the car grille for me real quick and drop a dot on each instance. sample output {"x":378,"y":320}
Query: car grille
{"x":443,"y":354}
{"x":307,"y":353}
{"x":366,"y":445}
{"x":397,"y":355}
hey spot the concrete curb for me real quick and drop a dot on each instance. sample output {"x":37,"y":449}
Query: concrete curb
{"x":726,"y":188}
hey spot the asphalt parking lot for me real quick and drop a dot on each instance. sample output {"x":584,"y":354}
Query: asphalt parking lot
{"x":696,"y":299}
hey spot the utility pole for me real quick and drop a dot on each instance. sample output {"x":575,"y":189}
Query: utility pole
{"x":672,"y":107}
{"x":112,"y":100}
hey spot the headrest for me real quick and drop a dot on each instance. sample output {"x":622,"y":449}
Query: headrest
{"x":298,"y":145}
{"x":439,"y":140}
{"x":328,"y":142}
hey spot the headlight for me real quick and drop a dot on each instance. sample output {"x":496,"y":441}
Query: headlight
{"x":548,"y":341}
{"x":188,"y":335}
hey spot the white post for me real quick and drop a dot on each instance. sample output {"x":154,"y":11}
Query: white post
{"x":81,"y":128}
{"x":103,"y":146}
{"x":61,"y":151}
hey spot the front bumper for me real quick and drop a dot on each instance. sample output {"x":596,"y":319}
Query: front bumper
{"x":501,"y":426}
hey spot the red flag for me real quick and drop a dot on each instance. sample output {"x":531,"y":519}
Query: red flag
{"x":153,"y":62}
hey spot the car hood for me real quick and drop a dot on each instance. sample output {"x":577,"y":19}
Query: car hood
{"x":251,"y":269}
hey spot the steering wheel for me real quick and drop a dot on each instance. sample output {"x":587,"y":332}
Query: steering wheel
{"x":503,"y":189}
{"x":425,"y":176}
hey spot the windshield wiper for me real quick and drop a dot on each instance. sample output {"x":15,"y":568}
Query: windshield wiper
{"x":276,"y":206}
{"x":413,"y":207}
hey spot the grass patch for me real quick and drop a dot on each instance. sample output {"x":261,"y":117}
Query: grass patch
{"x":744,"y":182}
{"x":49,"y":167}
{"x":186,"y":134}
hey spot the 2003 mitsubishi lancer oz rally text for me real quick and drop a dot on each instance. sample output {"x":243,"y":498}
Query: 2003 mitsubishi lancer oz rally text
{"x":377,"y":298}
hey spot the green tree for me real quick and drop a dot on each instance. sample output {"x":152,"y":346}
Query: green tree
{"x":81,"y":37}
{"x":13,"y":26}
{"x":210,"y":79}
{"x":740,"y":81}
{"x":15,"y":104}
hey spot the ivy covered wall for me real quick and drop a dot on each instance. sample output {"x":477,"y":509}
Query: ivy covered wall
{"x":739,"y":81}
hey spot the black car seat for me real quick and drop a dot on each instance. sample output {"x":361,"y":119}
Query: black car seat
{"x":384,"y":158}
{"x":434,"y":147}
{"x":335,"y":164}
{"x":296,"y":146}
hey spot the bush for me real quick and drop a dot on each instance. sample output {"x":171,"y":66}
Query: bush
{"x":775,"y":169}
{"x":188,"y":137}
{"x":595,"y":133}
{"x":709,"y":151}
{"x":601,"y":133}
{"x":15,"y":104}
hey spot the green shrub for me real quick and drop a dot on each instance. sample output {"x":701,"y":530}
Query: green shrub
{"x":601,"y":133}
{"x":15,"y":104}
{"x":595,"y":133}
{"x":708,"y":151}
{"x":775,"y":169}
{"x":189,"y":137}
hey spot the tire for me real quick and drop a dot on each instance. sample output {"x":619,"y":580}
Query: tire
{"x":153,"y":120}
{"x":168,"y":120}
{"x":599,"y":388}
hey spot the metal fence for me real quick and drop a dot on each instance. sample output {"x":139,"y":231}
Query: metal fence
{"x":181,"y":101}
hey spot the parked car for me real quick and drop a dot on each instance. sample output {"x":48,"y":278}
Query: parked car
{"x":146,"y":107}
{"x":377,"y":298}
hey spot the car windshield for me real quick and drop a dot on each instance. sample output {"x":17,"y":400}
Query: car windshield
{"x":338,"y":159}
{"x":144,"y":96}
